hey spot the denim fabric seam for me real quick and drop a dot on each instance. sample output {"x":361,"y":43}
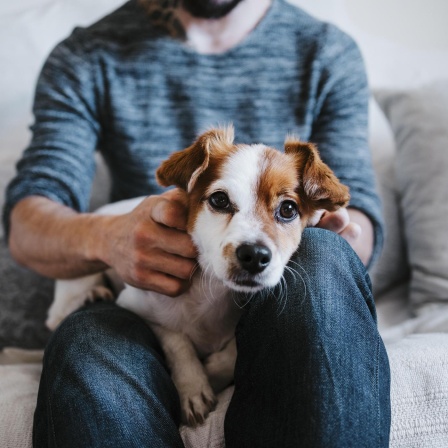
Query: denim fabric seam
{"x":50,"y":410}
{"x":377,"y":386}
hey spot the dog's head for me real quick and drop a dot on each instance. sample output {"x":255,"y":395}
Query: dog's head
{"x":248,"y":204}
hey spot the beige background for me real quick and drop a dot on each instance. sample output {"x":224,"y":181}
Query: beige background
{"x":405,"y":42}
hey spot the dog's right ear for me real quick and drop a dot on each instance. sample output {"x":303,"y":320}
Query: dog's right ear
{"x":183,"y":168}
{"x":322,"y":189}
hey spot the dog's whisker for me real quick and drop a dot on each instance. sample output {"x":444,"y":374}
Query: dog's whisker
{"x":195,"y":268}
{"x":293,"y":273}
{"x":282,"y":286}
{"x":297,"y":274}
{"x":301,"y":267}
{"x":236,"y":299}
{"x":283,"y":296}
{"x":271,"y":292}
{"x":303,"y":280}
{"x":237,"y":302}
{"x":208,"y":293}
{"x":210,"y":285}
{"x":264,"y":293}
{"x":202,"y":282}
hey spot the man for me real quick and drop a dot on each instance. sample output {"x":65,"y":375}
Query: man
{"x":139,"y":84}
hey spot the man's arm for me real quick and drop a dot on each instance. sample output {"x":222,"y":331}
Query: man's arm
{"x":341,"y":133}
{"x":149,"y":247}
{"x":46,"y":230}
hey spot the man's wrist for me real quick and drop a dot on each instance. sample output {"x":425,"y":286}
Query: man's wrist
{"x":98,"y":238}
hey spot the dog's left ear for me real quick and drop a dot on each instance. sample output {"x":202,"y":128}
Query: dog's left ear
{"x":184,"y":167}
{"x":322,"y":189}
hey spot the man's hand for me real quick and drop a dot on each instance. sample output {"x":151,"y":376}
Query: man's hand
{"x":354,"y":226}
{"x":149,"y":247}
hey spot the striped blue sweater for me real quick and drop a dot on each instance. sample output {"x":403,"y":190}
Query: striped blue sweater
{"x":128,"y":90}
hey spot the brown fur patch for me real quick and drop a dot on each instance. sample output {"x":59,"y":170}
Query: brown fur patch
{"x":228,"y":251}
{"x":202,"y":161}
{"x":207,"y":177}
{"x":319,"y":187}
{"x":192,"y":161}
{"x":277,"y":181}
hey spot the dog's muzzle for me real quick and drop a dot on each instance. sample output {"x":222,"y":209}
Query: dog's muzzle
{"x":253,"y":258}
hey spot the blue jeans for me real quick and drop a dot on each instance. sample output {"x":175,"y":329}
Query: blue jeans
{"x":312,"y":370}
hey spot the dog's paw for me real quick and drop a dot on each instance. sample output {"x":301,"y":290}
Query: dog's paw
{"x":100,"y":293}
{"x":197,"y":404}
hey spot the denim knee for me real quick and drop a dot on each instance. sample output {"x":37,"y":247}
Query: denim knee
{"x":103,"y":345}
{"x":326,"y":268}
{"x":102,"y":333}
{"x":322,"y":272}
{"x":323,"y":253}
{"x":103,"y":370}
{"x":312,"y":345}
{"x":325,"y":296}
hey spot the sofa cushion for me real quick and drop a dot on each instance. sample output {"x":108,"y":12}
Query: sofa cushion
{"x":419,"y":391}
{"x":391,"y":269}
{"x":24,"y":299}
{"x":419,"y":120}
{"x":18,"y":394}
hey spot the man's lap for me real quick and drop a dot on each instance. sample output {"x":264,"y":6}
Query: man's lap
{"x":322,"y":313}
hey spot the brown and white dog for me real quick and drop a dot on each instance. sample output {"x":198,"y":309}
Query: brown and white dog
{"x":248,"y":206}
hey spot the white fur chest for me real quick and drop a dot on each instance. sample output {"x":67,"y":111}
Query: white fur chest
{"x":207,"y":313}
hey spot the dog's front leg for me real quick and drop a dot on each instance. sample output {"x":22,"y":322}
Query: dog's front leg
{"x":220,"y":366}
{"x":196,"y":395}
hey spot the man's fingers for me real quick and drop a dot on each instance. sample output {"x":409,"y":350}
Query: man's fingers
{"x":163,"y":284}
{"x":339,"y":222}
{"x":335,"y":221}
{"x":169,"y":213}
{"x":176,"y":194}
{"x":172,"y":265}
{"x":351,"y":233}
{"x":176,"y":242}
{"x":172,"y":215}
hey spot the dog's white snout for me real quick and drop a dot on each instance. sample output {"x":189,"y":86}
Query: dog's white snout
{"x":253,"y":258}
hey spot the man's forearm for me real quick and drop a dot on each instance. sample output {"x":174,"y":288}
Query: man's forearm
{"x":54,"y":240}
{"x":148,"y":247}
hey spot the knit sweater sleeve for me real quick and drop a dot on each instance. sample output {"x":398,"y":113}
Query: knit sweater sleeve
{"x":340,"y":126}
{"x":59,"y":161}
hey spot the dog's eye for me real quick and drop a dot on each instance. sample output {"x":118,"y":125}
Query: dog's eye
{"x":287,"y":211}
{"x":219,"y":200}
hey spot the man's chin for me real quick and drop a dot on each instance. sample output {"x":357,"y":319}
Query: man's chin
{"x":209,"y":9}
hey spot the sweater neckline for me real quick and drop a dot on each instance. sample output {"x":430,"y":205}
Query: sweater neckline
{"x":256,"y":35}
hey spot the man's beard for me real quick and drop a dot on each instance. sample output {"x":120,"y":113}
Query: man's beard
{"x":209,"y":9}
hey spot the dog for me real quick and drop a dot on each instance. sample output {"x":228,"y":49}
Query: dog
{"x":248,"y":206}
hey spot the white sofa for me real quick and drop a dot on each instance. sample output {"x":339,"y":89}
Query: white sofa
{"x":409,"y":140}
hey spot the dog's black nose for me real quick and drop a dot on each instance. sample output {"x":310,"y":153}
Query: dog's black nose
{"x":253,"y":258}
